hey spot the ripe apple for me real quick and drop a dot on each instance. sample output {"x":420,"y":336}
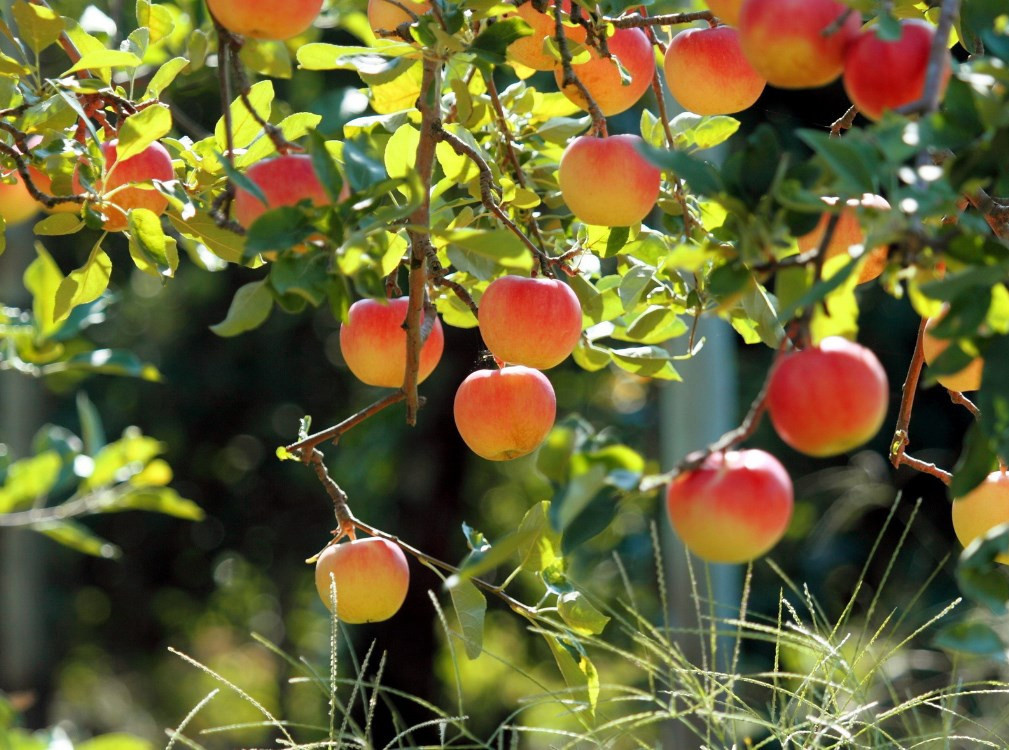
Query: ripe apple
{"x":371,"y":576}
{"x":733,"y":508}
{"x":285,"y":181}
{"x":880,"y":74}
{"x":373,"y":343}
{"x":985,"y":506}
{"x":153,"y":163}
{"x":828,"y":399}
{"x":785,"y":43}
{"x":849,"y":232}
{"x":727,"y":11}
{"x":265,"y":19}
{"x":601,"y":75}
{"x":387,"y":16}
{"x":708,"y":74}
{"x":607,"y":181}
{"x":503,"y":414}
{"x":528,"y":50}
{"x":967,"y":379}
{"x":16,"y":203}
{"x":531,"y":322}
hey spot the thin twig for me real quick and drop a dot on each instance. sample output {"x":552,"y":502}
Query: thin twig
{"x":337,"y":431}
{"x":958,"y":398}
{"x":569,"y":78}
{"x":635,"y":21}
{"x":938,"y":62}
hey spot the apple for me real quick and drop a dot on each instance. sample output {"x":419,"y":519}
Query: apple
{"x":16,"y":203}
{"x":967,"y":379}
{"x":373,"y":342}
{"x":607,"y":181}
{"x":727,"y":11}
{"x":881,"y":74}
{"x":531,"y":322}
{"x":828,"y":399}
{"x":503,"y":414}
{"x":601,"y":76}
{"x":371,"y":577}
{"x":265,"y":19}
{"x":985,"y":506}
{"x":284,"y":181}
{"x":388,"y":16}
{"x":707,"y":73}
{"x":528,"y":50}
{"x":153,"y":163}
{"x":733,"y":508}
{"x":848,"y":232}
{"x":785,"y":43}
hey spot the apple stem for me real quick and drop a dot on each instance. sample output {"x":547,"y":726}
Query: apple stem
{"x":900,"y":436}
{"x":487,"y":190}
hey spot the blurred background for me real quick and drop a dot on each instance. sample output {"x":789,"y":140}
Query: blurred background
{"x":83,"y":641}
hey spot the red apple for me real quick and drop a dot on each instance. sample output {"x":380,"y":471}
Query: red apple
{"x":985,"y":506}
{"x":785,"y":43}
{"x":733,"y":508}
{"x":373,"y":343}
{"x":16,"y":203}
{"x":848,"y":232}
{"x":601,"y":75}
{"x":707,"y":73}
{"x":371,"y":577}
{"x":503,"y":414}
{"x":531,"y":322}
{"x":528,"y":50}
{"x":153,"y":163}
{"x":828,"y":399}
{"x":285,"y":181}
{"x":881,"y":74}
{"x":387,"y":16}
{"x":967,"y":379}
{"x":265,"y":19}
{"x":727,"y":11}
{"x":606,"y":181}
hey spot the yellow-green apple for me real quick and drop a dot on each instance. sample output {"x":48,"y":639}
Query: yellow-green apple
{"x":882,"y":74}
{"x":985,"y":506}
{"x":607,"y":181}
{"x":847,"y":233}
{"x":727,"y":11}
{"x":387,"y":16}
{"x":371,"y":578}
{"x":707,"y":73}
{"x":503,"y":414}
{"x":16,"y":203}
{"x":153,"y":163}
{"x":265,"y":19}
{"x":284,"y":181}
{"x":828,"y":399}
{"x":967,"y":379}
{"x":528,"y":50}
{"x":732,"y":508}
{"x":373,"y":342}
{"x":785,"y":42}
{"x":601,"y":76}
{"x":531,"y":322}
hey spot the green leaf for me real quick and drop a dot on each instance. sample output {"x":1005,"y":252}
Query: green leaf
{"x":244,"y":127}
{"x":646,"y":361}
{"x":849,"y":160}
{"x":28,"y":480}
{"x":84,"y":285}
{"x":975,"y":463}
{"x":304,"y":276}
{"x":542,"y":546}
{"x":221,"y":242}
{"x":58,"y":225}
{"x":325,"y":166}
{"x":164,"y":76}
{"x":278,"y":229}
{"x":971,"y":638}
{"x":38,"y":26}
{"x":367,"y":60}
{"x":106,"y":58}
{"x":493,"y":41}
{"x":694,"y":131}
{"x":577,"y":670}
{"x":499,"y":245}
{"x":152,"y":252}
{"x":249,"y":309}
{"x":110,"y":362}
{"x":92,"y":430}
{"x":702,"y":177}
{"x":78,"y":537}
{"x":130,"y":452}
{"x":484,"y":559}
{"x":156,"y":500}
{"x":142,"y":129}
{"x":470,"y":608}
{"x":43,"y":278}
{"x":979,"y":576}
{"x":993,"y":398}
{"x":579,"y":614}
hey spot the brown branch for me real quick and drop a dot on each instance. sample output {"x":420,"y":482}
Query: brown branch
{"x":938,"y":60}
{"x":337,"y":431}
{"x":429,"y":104}
{"x":440,"y":277}
{"x":635,"y":21}
{"x":21,"y":164}
{"x":995,"y":213}
{"x":678,"y":187}
{"x":569,"y":78}
{"x":900,"y":435}
{"x":487,"y":189}
{"x":844,"y":122}
{"x":958,"y":398}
